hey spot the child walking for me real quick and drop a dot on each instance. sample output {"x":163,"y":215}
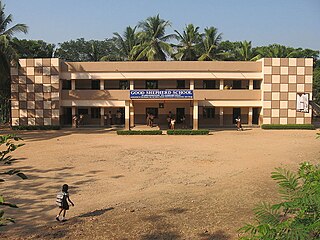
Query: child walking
{"x":62,"y":201}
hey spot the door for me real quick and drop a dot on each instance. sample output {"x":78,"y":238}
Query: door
{"x":67,"y":116}
{"x":122,"y":111}
{"x":236,"y":113}
{"x":179,"y":114}
{"x":255,"y":115}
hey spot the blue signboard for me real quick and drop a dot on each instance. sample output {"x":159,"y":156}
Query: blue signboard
{"x":154,"y":94}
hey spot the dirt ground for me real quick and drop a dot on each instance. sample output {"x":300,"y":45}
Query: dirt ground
{"x":149,"y":187}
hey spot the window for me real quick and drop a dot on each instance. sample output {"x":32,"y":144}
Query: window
{"x":123,"y":84}
{"x":95,"y":112}
{"x":209,"y":84}
{"x":66,"y":85}
{"x":236,"y":84}
{"x":181,"y":84}
{"x":153,"y":111}
{"x":95,"y":84}
{"x":83,"y":111}
{"x":256,"y":84}
{"x":151,"y":84}
{"x":208,"y":112}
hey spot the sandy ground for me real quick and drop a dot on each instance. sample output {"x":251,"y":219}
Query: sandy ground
{"x":149,"y":187}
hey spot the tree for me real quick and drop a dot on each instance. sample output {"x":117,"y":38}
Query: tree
{"x":153,"y":41}
{"x":33,"y":48}
{"x":209,"y":47}
{"x":245,"y":52}
{"x":297,"y":216}
{"x":126,"y":42}
{"x":189,"y":40}
{"x":7,"y":159}
{"x":7,"y":55}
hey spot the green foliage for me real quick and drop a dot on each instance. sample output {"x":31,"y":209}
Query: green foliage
{"x":188,"y":132}
{"x":124,"y":44}
{"x":316,"y":82}
{"x":49,"y":127}
{"x":139,"y":132}
{"x":288,"y":126}
{"x":9,"y":143}
{"x":297,"y":216}
{"x":33,"y":48}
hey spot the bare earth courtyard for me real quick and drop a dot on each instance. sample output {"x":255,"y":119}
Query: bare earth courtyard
{"x":149,"y":187}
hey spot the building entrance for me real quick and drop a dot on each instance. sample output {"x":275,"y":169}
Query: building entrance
{"x":179,"y":114}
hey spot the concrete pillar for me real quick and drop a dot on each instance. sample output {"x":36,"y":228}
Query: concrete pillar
{"x":127,"y":115}
{"x":221,"y":116}
{"x":191,"y":84}
{"x":250,"y":84}
{"x":221,"y":84}
{"x":131,"y":114}
{"x":73,"y":110}
{"x":101,"y":84}
{"x":73,"y":84}
{"x":101,"y":116}
{"x":195,"y":115}
{"x":131,"y":84}
{"x":250,"y":116}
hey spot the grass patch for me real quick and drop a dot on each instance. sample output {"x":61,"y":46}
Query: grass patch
{"x":139,"y":132}
{"x":54,"y":127}
{"x":188,"y":132}
{"x":288,"y":126}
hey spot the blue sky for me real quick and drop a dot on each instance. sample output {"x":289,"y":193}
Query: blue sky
{"x":293,"y":23}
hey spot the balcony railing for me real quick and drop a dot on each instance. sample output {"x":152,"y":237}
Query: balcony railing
{"x":95,"y":95}
{"x":215,"y":94}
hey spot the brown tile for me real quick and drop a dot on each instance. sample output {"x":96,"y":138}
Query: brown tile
{"x":23,"y":104}
{"x":55,"y":121}
{"x":292,"y":87}
{"x":300,"y":79}
{"x":15,"y":79}
{"x":30,"y":96}
{"x":15,"y":113}
{"x":275,"y":120}
{"x":267,"y":96}
{"x":308,"y":87}
{"x":31,"y":113}
{"x":275,"y":87}
{"x":54,"y":71}
{"x":300,"y":114}
{"x":55,"y":104}
{"x":275,"y":70}
{"x":292,"y":70}
{"x":267,"y":112}
{"x":284,"y":79}
{"x":46,"y":62}
{"x":46,"y":79}
{"x":267,"y":62}
{"x":307,"y":120}
{"x":283,"y":113}
{"x":275,"y":104}
{"x":22,"y":71}
{"x":47,"y":113}
{"x":30,"y":62}
{"x":291,"y":120}
{"x":292,"y":104}
{"x":23,"y":121}
{"x":300,"y":62}
{"x":55,"y":87}
{"x":22,"y":88}
{"x":284,"y":62}
{"x":14,"y":96}
{"x":38,"y":71}
{"x":38,"y":88}
{"x":267,"y":78}
{"x":308,"y":71}
{"x":39,"y":104}
{"x":30,"y":79}
{"x":39,"y":121}
{"x":47,"y":96}
{"x":283,"y":96}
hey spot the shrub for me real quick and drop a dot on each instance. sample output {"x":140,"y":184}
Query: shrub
{"x":188,"y":132}
{"x":139,"y":132}
{"x":288,"y":126}
{"x":54,"y":127}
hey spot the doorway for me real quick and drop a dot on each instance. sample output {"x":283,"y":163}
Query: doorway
{"x":236,"y":113}
{"x":67,"y":116}
{"x":255,"y":115}
{"x":179,"y":114}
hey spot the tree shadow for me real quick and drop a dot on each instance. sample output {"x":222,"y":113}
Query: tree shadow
{"x":217,"y":235}
{"x":96,"y":212}
{"x":170,"y":235}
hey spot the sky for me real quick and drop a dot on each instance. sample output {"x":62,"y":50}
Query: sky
{"x":294,"y":23}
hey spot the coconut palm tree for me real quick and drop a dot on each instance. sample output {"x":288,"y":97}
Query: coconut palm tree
{"x":126,"y":42}
{"x":277,"y":51}
{"x":7,"y":55}
{"x":189,"y":41}
{"x":210,"y":45}
{"x":153,"y":40}
{"x":245,"y":52}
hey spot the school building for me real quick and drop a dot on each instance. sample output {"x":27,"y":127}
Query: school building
{"x":208,"y":94}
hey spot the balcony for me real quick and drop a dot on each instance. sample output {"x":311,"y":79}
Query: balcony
{"x":215,"y":94}
{"x":95,"y":95}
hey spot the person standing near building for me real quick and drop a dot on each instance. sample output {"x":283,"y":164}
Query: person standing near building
{"x":148,"y":119}
{"x":173,"y":121}
{"x":118,"y":117}
{"x":169,"y":118}
{"x":183,"y":121}
{"x":109,"y":116}
{"x":75,"y":121}
{"x":151,"y":118}
{"x":239,"y":125}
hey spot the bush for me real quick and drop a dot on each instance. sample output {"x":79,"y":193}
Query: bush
{"x":288,"y":126}
{"x":54,"y":127}
{"x":139,"y":132}
{"x":188,"y":132}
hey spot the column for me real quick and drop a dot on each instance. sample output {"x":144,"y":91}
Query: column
{"x":101,"y":116}
{"x":73,"y":110}
{"x":191,"y":84}
{"x":191,"y":115}
{"x":250,"y":116}
{"x":131,"y":84}
{"x":73,"y":84}
{"x":127,"y":115}
{"x":195,"y":115}
{"x":131,"y":114}
{"x":250,"y":84}
{"x":221,"y":116}
{"x":221,"y":84}
{"x":101,"y":84}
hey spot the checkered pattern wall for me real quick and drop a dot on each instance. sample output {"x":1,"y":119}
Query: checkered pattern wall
{"x":283,"y":79}
{"x":35,"y":92}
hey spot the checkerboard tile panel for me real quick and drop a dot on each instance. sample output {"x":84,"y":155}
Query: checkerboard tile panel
{"x":283,"y":79}
{"x":35,"y":96}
